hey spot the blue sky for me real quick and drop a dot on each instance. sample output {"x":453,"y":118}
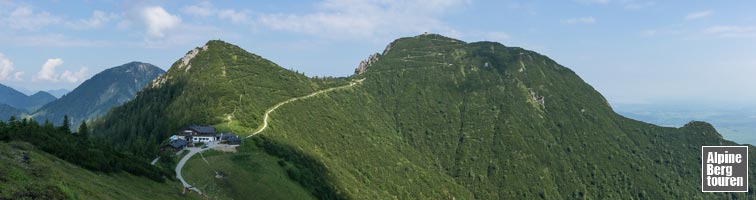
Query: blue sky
{"x":633,"y":52}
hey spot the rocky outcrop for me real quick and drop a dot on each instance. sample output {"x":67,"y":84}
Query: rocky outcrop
{"x":189,"y":56}
{"x":362,"y":68}
{"x":159,"y":81}
{"x":388,"y":48}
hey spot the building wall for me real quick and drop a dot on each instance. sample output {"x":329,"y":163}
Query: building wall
{"x":203,"y":139}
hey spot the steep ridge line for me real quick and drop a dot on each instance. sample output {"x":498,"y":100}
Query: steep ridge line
{"x":271,"y":109}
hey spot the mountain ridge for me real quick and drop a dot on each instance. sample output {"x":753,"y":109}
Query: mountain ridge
{"x":97,"y":95}
{"x":21,"y":101}
{"x":435,"y":117}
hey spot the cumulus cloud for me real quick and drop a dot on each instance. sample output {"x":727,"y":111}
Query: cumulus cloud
{"x":74,"y":77}
{"x":48,"y":72}
{"x":580,"y":20}
{"x":698,"y":15}
{"x":158,"y":20}
{"x":366,"y":18}
{"x":18,"y":76}
{"x":6,"y":67}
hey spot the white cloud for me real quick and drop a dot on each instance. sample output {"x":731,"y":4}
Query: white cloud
{"x":74,"y":77}
{"x":158,"y":20}
{"x":698,"y":15}
{"x":6,"y":67}
{"x":47,"y":73}
{"x":580,"y":20}
{"x":24,"y":17}
{"x":18,"y":76}
{"x":365,"y":19}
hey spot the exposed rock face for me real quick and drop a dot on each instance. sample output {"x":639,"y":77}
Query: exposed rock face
{"x":183,"y":64}
{"x":159,"y":81}
{"x":387,"y":49}
{"x":188,"y":57}
{"x":365,"y":63}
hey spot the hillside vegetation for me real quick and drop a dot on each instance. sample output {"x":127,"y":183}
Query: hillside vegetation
{"x":435,"y":118}
{"x":440,"y":118}
{"x":218,"y":83}
{"x":29,"y":173}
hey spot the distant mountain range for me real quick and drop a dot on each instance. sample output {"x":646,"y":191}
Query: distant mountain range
{"x":97,"y":95}
{"x":18,"y":100}
{"x":59,"y":92}
{"x":7,"y":111}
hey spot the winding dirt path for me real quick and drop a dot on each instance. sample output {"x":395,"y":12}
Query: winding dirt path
{"x":271,"y":109}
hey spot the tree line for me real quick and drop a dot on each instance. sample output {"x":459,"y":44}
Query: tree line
{"x":79,"y":148}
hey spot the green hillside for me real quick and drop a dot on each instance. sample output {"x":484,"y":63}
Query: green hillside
{"x":217,"y":83}
{"x":29,"y":173}
{"x":435,"y":118}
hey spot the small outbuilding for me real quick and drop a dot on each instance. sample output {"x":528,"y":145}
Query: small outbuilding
{"x":228,"y":138}
{"x":176,"y":145}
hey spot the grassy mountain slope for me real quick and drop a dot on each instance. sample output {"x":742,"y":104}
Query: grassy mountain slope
{"x":251,"y":174}
{"x":29,"y":173}
{"x":217,"y":83}
{"x":99,"y":94}
{"x":435,"y":118}
{"x":440,"y":118}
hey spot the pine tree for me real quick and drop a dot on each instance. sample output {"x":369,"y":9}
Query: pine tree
{"x":66,"y":123}
{"x":83,"y":130}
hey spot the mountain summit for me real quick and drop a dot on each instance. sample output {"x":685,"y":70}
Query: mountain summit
{"x":212,"y":84}
{"x":97,"y":95}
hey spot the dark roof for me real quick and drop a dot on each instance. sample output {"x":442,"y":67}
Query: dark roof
{"x":203,"y":129}
{"x":234,"y":139}
{"x":177,"y":143}
{"x":225,"y":136}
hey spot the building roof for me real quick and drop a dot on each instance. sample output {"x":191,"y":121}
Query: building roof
{"x":178,"y":143}
{"x":202,"y":129}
